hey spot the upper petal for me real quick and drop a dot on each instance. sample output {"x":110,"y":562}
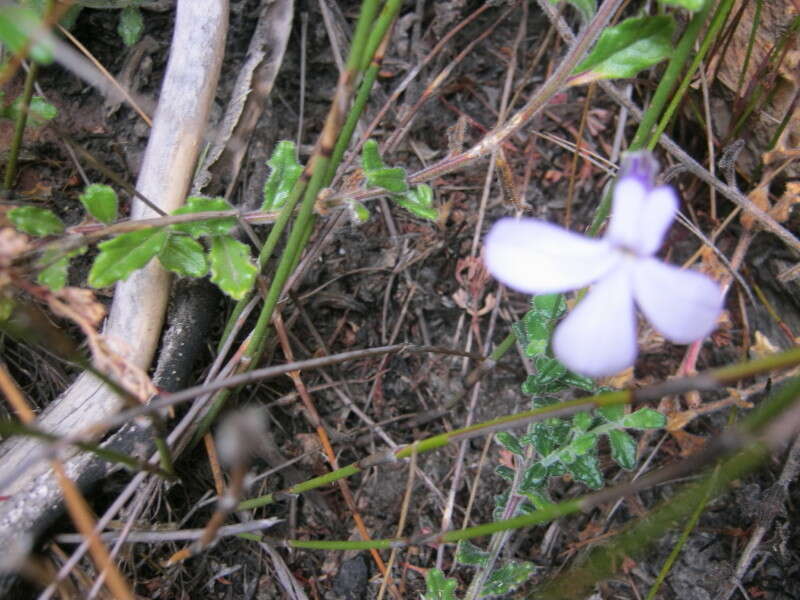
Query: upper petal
{"x":682,"y":305}
{"x":627,"y":208}
{"x":599,"y":336}
{"x":539,"y":258}
{"x":659,"y":212}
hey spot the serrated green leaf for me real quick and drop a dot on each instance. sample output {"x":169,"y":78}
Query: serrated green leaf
{"x":35,"y":221}
{"x":521,"y":334}
{"x":612,"y":412}
{"x":131,"y":25}
{"x":548,"y":370}
{"x":101,"y":202}
{"x":505,"y":472}
{"x":124,"y":254}
{"x":285,"y":171}
{"x":533,"y":478}
{"x":644,"y":418}
{"x":549,"y":435}
{"x":39,"y":111}
{"x":582,"y":421}
{"x":586,"y":8}
{"x":391,"y":179}
{"x":627,"y":48}
{"x":196,"y":204}
{"x":419,"y":202}
{"x":439,"y":587}
{"x":370,"y":156}
{"x":231,"y":267}
{"x":692,"y":5}
{"x":584,"y":443}
{"x":510,"y":442}
{"x":508,"y":577}
{"x":584,"y":469}
{"x":623,"y":449}
{"x":468,"y":553}
{"x":184,"y":256}
{"x":17,"y":26}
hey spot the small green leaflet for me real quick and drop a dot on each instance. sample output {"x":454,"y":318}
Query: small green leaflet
{"x":184,"y":256}
{"x":510,"y":442}
{"x":358,"y":211}
{"x":131,"y":25}
{"x":644,"y":418}
{"x":17,"y":26}
{"x":585,"y":469}
{"x":121,"y":256}
{"x":586,"y":8}
{"x":101,"y":202}
{"x":54,"y":275}
{"x":623,"y":449}
{"x":507,"y":578}
{"x":439,"y":587}
{"x":285,"y":173}
{"x":627,"y":48}
{"x":196,"y":204}
{"x":39,"y":110}
{"x":231,"y":267}
{"x":468,"y":553}
{"x":35,"y":221}
{"x":419,"y":202}
{"x":370,"y":156}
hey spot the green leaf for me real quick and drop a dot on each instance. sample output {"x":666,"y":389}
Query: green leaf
{"x":693,"y":5}
{"x":552,"y":305}
{"x":359,"y":212}
{"x":507,"y":578}
{"x":35,"y":221}
{"x":54,"y":275}
{"x":131,"y":25}
{"x":197,"y":204}
{"x":583,"y":444}
{"x":623,"y":449}
{"x":184,"y":256}
{"x":370,"y":157}
{"x":505,"y":472}
{"x":285,"y":171}
{"x":419,"y":202}
{"x":586,"y":8}
{"x":627,"y":48}
{"x":121,"y":256}
{"x":468,"y":553}
{"x":584,"y":469}
{"x":439,"y":587}
{"x":510,"y":442}
{"x":644,"y":418}
{"x":548,"y":371}
{"x":101,"y":202}
{"x":612,"y":412}
{"x":391,"y":179}
{"x":39,"y":111}
{"x":579,"y":381}
{"x":6,"y":308}
{"x":533,"y":478}
{"x":582,"y":421}
{"x":231,"y":267}
{"x":17,"y":26}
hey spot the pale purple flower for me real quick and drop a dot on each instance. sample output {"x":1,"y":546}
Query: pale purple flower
{"x":599,"y":336}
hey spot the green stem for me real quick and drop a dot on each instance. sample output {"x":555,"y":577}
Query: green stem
{"x":19,"y":126}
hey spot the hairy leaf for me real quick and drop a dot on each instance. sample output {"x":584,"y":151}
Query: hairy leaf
{"x":196,"y":204}
{"x":370,"y":156}
{"x":419,"y":202}
{"x":507,"y":578}
{"x":644,"y":418}
{"x":439,"y":587}
{"x":510,"y":442}
{"x":585,"y":469}
{"x":131,"y":25}
{"x":468,"y":553}
{"x":623,"y":448}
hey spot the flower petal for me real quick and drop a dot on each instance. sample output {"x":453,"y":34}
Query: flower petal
{"x":539,"y":258}
{"x":627,"y":208}
{"x":659,"y":212}
{"x":682,"y":305}
{"x":599,"y":336}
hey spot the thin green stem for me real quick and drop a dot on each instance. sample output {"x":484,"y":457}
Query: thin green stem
{"x":19,"y":126}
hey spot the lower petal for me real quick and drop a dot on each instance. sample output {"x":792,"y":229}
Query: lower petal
{"x":598,"y":337}
{"x":682,"y":305}
{"x":540,"y":258}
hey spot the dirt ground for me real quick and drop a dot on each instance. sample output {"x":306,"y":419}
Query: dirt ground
{"x":397,"y":279}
